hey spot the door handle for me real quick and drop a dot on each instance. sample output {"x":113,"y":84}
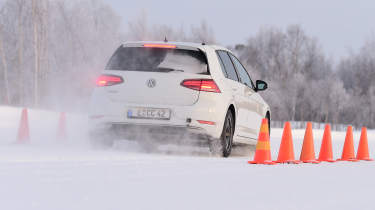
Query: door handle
{"x":234,"y":89}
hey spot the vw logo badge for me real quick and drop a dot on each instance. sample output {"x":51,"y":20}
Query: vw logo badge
{"x":151,"y":83}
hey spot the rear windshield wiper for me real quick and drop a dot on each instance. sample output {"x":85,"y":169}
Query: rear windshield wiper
{"x":162,"y":69}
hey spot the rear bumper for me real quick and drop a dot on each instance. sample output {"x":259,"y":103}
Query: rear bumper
{"x":210,"y":107}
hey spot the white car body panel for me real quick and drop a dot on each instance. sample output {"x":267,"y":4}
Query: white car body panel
{"x":109,"y":104}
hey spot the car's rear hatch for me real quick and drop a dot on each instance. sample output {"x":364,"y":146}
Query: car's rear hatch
{"x":152,"y":74}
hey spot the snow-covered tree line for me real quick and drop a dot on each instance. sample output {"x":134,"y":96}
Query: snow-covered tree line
{"x":52,"y":50}
{"x":304,"y":85}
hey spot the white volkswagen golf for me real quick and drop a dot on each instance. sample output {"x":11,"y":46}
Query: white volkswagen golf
{"x":173,"y":92}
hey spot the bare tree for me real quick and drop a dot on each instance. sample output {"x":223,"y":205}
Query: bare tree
{"x":5,"y":69}
{"x":21,"y":25}
{"x":203,"y":33}
{"x":357,"y":72}
{"x":35,"y":14}
{"x":67,"y":40}
{"x":138,"y":29}
{"x":293,"y":63}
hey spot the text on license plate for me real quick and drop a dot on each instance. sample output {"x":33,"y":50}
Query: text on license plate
{"x":149,"y":113}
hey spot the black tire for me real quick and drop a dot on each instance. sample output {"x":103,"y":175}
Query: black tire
{"x":269,"y":123}
{"x":223,"y":146}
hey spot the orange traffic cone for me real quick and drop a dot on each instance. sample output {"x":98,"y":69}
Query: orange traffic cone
{"x":348,"y":150}
{"x":362,"y":152}
{"x":61,"y":129}
{"x":23,"y":130}
{"x":263,"y":149}
{"x":286,"y":152}
{"x":308,"y":151}
{"x":325,"y":153}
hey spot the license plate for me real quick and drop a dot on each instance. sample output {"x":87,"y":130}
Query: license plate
{"x":149,"y":113}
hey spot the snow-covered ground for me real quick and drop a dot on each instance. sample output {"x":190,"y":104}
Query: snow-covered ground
{"x":48,"y":174}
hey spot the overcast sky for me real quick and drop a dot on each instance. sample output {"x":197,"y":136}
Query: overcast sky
{"x":340,"y":25}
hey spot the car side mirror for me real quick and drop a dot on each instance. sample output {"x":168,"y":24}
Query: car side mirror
{"x":261,"y":85}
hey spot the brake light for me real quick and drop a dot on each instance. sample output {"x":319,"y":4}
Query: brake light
{"x":207,"y":85}
{"x":160,"y":46}
{"x":206,"y":122}
{"x":108,"y":80}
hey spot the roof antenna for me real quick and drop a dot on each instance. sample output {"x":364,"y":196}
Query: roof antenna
{"x":165,"y":39}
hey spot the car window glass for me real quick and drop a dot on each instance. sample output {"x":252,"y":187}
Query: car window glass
{"x":228,"y":65}
{"x":244,"y":76}
{"x":222,"y":66}
{"x":158,"y":60}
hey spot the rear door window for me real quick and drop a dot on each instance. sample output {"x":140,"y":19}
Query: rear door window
{"x":228,"y":65}
{"x":158,"y":60}
{"x":242,"y":73}
{"x":222,"y":66}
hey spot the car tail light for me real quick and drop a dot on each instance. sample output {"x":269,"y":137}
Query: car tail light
{"x":206,"y":122}
{"x":160,"y":46}
{"x":108,"y":80}
{"x":207,"y":85}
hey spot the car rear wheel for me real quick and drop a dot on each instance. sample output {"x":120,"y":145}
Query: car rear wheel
{"x":223,"y":146}
{"x":269,"y":123}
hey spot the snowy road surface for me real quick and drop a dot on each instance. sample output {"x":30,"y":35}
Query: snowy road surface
{"x":51,"y":175}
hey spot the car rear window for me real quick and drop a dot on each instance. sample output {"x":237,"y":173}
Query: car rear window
{"x":158,"y":60}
